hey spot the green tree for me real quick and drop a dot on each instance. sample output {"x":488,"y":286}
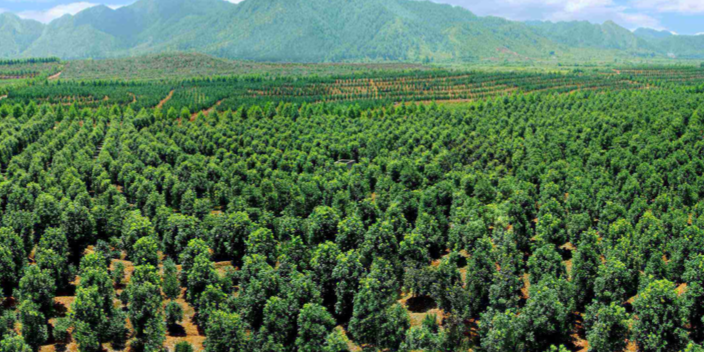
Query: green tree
{"x":170,"y":285}
{"x":174,"y":313}
{"x":145,"y":252}
{"x":225,"y":332}
{"x":145,"y":308}
{"x":38,"y":287}
{"x":314,"y":324}
{"x":322,"y":225}
{"x":14,"y":344}
{"x":607,"y":327}
{"x":34,"y":324}
{"x":659,"y":323}
{"x":585,"y":269}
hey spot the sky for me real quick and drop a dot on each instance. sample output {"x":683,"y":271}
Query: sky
{"x":677,"y":16}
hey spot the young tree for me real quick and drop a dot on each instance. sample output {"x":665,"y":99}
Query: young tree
{"x":659,"y":323}
{"x":322,"y":225}
{"x":547,"y":312}
{"x":170,"y":285}
{"x":174,"y":313}
{"x":199,"y":277}
{"x":262,"y":242}
{"x":145,"y":308}
{"x":607,"y":327}
{"x":145,"y":252}
{"x":38,"y":287}
{"x":347,"y":274}
{"x":14,"y":344}
{"x":227,"y":238}
{"x":34,"y":325}
{"x":585,"y":269}
{"x":502,"y":331}
{"x":225,"y":332}
{"x":545,"y":262}
{"x":314,"y":324}
{"x":323,"y":265}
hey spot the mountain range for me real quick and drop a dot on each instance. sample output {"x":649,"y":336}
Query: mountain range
{"x":326,"y":31}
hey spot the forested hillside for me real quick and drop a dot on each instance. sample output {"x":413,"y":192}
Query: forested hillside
{"x":324,"y":31}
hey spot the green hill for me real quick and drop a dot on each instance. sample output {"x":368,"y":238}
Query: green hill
{"x":322,"y":31}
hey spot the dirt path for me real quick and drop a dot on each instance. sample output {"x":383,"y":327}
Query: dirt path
{"x":166,"y":100}
{"x":3,"y":97}
{"x":56,"y":76}
{"x":206,"y":112}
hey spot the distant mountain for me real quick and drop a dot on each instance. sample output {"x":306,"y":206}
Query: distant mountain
{"x":16,"y":34}
{"x":651,"y":34}
{"x":584,"y":34}
{"x":323,"y":31}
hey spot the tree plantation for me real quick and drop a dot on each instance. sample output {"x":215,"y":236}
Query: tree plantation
{"x":560,"y":219}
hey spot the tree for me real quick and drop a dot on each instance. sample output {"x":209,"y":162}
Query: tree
{"x":38,"y":287}
{"x":174,"y":313}
{"x":196,"y":247}
{"x":659,"y":323}
{"x":502,"y":331}
{"x":14,"y":344}
{"x":51,"y":255}
{"x":394,"y":327}
{"x":314,"y":324}
{"x":322,"y":225}
{"x":612,"y":282}
{"x":34,"y":325}
{"x":262,"y":242}
{"x":545,"y":262}
{"x":183,"y":346}
{"x":199,"y":277}
{"x":145,"y":308}
{"x":336,"y":342}
{"x":225,"y":332}
{"x":547,"y":312}
{"x":323,"y":265}
{"x":350,"y":233}
{"x":279,"y":325}
{"x":480,"y":272}
{"x":607,"y":327}
{"x":170,"y":285}
{"x":89,"y":319}
{"x":180,"y":230}
{"x":145,"y":252}
{"x":693,"y":298}
{"x":376,"y":294}
{"x":12,"y":259}
{"x":227,"y":238}
{"x":78,"y":223}
{"x":585,"y":269}
{"x":47,"y":212}
{"x":347,"y":275}
{"x":134,"y":227}
{"x":8,"y":277}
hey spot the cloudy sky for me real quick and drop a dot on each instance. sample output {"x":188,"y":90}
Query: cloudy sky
{"x":679,"y":16}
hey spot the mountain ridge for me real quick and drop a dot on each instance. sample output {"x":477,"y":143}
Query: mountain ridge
{"x":325,"y":31}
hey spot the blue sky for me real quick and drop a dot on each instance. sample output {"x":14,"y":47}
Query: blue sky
{"x":679,"y":16}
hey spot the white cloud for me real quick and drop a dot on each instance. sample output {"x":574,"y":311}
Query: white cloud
{"x":596,"y":11}
{"x":680,"y":6}
{"x":51,"y":14}
{"x":234,"y":1}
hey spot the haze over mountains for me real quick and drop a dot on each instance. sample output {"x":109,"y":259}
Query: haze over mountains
{"x":326,"y":31}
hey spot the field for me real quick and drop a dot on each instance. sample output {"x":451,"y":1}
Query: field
{"x":427,"y":209}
